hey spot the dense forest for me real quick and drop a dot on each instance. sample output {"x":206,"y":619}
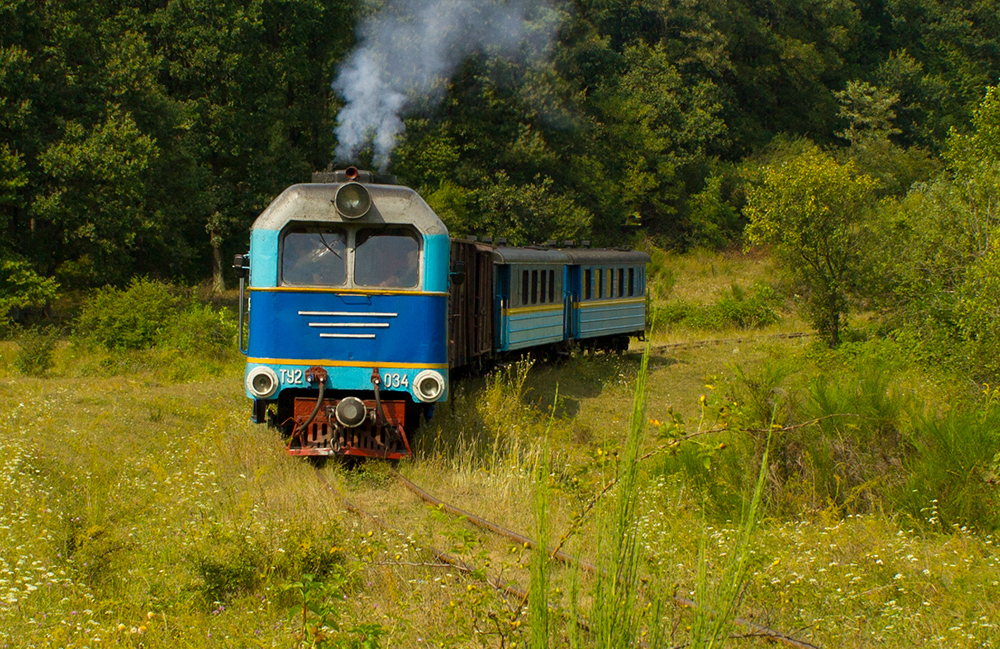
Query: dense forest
{"x":142,"y":137}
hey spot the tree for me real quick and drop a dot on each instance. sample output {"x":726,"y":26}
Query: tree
{"x":812,"y":209}
{"x":870,"y":114}
{"x":253,"y":76}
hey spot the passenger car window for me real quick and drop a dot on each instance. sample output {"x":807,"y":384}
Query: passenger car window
{"x":314,"y":257}
{"x":388,"y":257}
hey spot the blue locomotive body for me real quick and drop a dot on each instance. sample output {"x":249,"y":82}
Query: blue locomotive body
{"x":360,"y":304}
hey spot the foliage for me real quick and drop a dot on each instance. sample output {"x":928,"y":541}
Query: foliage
{"x":527,"y":213}
{"x":812,"y":210}
{"x":738,"y":308}
{"x":97,"y":191}
{"x":715,"y":222}
{"x":150,"y":314}
{"x":200,"y":329}
{"x":870,"y":113}
{"x":142,"y":139}
{"x":22,"y":287}
{"x":130,"y":318}
{"x":936,"y":260}
{"x":34,"y":350}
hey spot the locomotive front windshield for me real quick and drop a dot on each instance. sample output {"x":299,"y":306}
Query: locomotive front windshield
{"x":336,"y":256}
{"x":387,"y":257}
{"x":315,"y":257}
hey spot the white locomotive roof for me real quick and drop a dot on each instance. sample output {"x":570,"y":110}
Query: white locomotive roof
{"x":313,"y":202}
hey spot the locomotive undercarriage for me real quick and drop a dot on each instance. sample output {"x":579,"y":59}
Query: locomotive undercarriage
{"x":320,"y":433}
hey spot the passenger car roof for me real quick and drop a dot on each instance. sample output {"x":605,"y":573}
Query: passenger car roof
{"x":575,"y":256}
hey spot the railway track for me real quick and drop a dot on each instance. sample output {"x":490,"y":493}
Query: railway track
{"x":514,"y":593}
{"x":695,"y":344}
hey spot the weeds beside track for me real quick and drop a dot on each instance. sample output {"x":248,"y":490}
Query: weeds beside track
{"x":516,"y":595}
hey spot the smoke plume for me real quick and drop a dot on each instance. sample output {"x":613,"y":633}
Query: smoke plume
{"x":407,"y":51}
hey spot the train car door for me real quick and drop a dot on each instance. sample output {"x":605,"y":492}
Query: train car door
{"x":571,"y":296}
{"x":501,"y":304}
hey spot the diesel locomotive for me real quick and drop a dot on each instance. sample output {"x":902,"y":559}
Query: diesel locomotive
{"x":359,"y":305}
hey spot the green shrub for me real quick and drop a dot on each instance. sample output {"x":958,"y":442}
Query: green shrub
{"x":952,"y":476}
{"x":200,"y":329}
{"x":130,"y":318}
{"x":836,"y":441}
{"x":231,"y":562}
{"x":34,"y":351}
{"x":743,"y":309}
{"x":20,"y":286}
{"x":673,"y":313}
{"x":150,"y":314}
{"x":737,"y":309}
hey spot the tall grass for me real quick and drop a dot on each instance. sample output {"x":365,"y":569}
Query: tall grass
{"x":486,"y":432}
{"x":538,"y":601}
{"x":718,"y":601}
{"x":954,"y":473}
{"x":615,"y":615}
{"x":849,"y":440}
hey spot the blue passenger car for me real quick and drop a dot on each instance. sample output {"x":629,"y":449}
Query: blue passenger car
{"x":531,"y":304}
{"x":608,"y":296}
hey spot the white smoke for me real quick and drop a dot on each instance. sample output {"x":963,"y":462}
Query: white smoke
{"x":408,"y":50}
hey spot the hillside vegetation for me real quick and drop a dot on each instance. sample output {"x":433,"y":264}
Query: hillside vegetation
{"x":810,"y":440}
{"x":140,"y":509}
{"x":856,"y":142}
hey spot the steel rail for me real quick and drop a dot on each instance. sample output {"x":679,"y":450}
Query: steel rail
{"x":505,"y":587}
{"x":694,"y":344}
{"x":757,"y":630}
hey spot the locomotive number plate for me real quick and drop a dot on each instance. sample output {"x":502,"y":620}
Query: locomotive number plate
{"x":394,"y":381}
{"x":291,"y":377}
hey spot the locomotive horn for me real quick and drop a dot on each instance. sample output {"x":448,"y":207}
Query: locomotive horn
{"x":351,"y":173}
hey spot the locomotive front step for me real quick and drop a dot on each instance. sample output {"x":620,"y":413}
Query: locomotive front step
{"x":372,"y":436}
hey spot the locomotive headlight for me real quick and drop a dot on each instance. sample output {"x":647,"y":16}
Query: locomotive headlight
{"x":262,"y":382}
{"x":428,"y":386}
{"x":351,"y":412}
{"x":353,"y":200}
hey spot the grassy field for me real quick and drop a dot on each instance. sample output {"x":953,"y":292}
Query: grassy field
{"x":138,"y":508}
